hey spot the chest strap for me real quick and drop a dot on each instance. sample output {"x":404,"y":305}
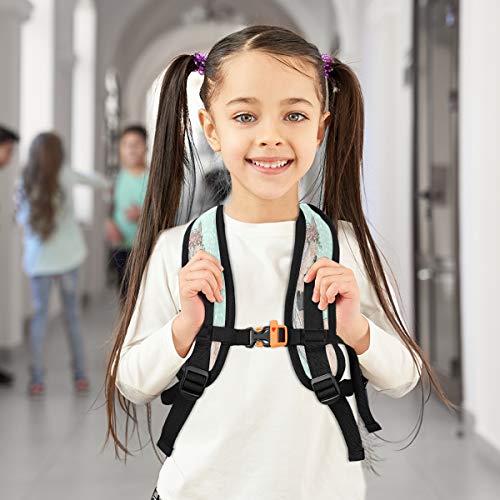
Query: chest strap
{"x":194,"y":377}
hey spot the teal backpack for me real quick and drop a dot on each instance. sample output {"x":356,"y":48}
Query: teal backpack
{"x":308,"y":333}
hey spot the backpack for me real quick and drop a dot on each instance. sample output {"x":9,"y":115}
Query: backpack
{"x":308,"y":333}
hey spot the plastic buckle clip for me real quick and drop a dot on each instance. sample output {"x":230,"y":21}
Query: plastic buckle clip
{"x":193,"y":382}
{"x":327,"y":388}
{"x":272,"y":335}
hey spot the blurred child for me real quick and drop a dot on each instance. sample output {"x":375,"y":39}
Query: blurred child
{"x":54,"y":248}
{"x":128,"y":198}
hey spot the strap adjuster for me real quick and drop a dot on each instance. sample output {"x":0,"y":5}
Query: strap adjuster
{"x":193,"y":382}
{"x":327,"y":388}
{"x":272,"y":335}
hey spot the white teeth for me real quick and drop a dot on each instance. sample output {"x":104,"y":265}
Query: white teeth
{"x":277,"y":164}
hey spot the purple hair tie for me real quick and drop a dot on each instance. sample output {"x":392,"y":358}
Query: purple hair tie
{"x":199,"y":60}
{"x":328,"y":65}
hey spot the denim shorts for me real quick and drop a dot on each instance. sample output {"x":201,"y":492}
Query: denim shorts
{"x":155,"y":495}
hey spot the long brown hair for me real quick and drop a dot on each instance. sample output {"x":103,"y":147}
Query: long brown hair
{"x":40,"y":183}
{"x":174,"y":163}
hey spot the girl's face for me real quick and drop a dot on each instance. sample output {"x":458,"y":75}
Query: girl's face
{"x":267,"y":113}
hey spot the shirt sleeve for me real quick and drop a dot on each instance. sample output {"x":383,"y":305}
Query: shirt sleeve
{"x":149,"y":360}
{"x":387,"y":363}
{"x":92,"y":179}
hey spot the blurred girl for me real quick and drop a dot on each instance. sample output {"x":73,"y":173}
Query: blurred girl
{"x":270,"y":99}
{"x":54,"y":249}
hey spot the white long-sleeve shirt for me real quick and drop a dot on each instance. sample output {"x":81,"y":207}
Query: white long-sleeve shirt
{"x":256,"y":432}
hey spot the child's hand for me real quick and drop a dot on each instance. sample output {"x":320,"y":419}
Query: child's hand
{"x":203,"y":273}
{"x":133,"y":213}
{"x":336,"y":282}
{"x":113,"y":234}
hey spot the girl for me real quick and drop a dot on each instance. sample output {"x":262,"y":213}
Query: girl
{"x":270,"y":100}
{"x":54,"y":248}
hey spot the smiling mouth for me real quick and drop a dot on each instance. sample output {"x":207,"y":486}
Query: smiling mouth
{"x":268,"y":166}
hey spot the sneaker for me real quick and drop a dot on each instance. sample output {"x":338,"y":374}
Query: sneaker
{"x":82,"y":385}
{"x":36,"y":389}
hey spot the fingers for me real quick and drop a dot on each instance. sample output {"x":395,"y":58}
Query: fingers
{"x":329,"y":282}
{"x":204,"y":273}
{"x":330,"y":294}
{"x":326,"y":293}
{"x":321,"y":263}
{"x":205,"y":256}
{"x":193,"y":287}
{"x":208,"y":278}
{"x":211,"y":265}
{"x":324,"y":278}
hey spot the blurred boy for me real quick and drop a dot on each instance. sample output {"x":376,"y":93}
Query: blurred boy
{"x":8,"y":139}
{"x":128,"y":197}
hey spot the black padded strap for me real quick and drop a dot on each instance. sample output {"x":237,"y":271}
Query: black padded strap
{"x":298,"y":249}
{"x":195,"y":375}
{"x":359,"y":382}
{"x":359,"y":385}
{"x":326,"y":385}
{"x":189,"y":389}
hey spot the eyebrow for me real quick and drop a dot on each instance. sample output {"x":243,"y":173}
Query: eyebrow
{"x":253,"y":100}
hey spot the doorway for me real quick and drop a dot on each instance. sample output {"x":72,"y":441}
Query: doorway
{"x":435,"y":188}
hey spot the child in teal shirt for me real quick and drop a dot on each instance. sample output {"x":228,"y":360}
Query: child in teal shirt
{"x":128,"y":198}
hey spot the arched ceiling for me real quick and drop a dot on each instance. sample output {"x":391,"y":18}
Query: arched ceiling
{"x":158,"y":17}
{"x":163,"y":28}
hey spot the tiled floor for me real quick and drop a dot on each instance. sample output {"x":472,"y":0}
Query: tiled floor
{"x":51,"y":448}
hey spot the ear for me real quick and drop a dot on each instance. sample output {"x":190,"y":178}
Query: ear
{"x":208,"y":125}
{"x":323,"y":124}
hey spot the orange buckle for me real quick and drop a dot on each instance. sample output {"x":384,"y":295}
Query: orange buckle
{"x":273,"y":335}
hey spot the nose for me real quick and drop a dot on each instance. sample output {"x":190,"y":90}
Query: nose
{"x":269,"y":134}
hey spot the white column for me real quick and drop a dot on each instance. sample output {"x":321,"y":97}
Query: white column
{"x":386,"y":31}
{"x":479,"y":174}
{"x":63,"y":70}
{"x":12,"y":14}
{"x":37,"y":74}
{"x":87,"y":142}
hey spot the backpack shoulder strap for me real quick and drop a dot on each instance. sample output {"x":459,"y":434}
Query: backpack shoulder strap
{"x":316,"y":237}
{"x":207,"y":359}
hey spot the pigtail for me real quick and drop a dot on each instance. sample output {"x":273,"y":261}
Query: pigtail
{"x":173,"y":154}
{"x":342,"y":173}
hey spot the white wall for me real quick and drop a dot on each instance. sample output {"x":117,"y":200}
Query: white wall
{"x":385,"y":31}
{"x":37,"y":70}
{"x":12,"y":15}
{"x":480,"y":209}
{"x":83,"y":103}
